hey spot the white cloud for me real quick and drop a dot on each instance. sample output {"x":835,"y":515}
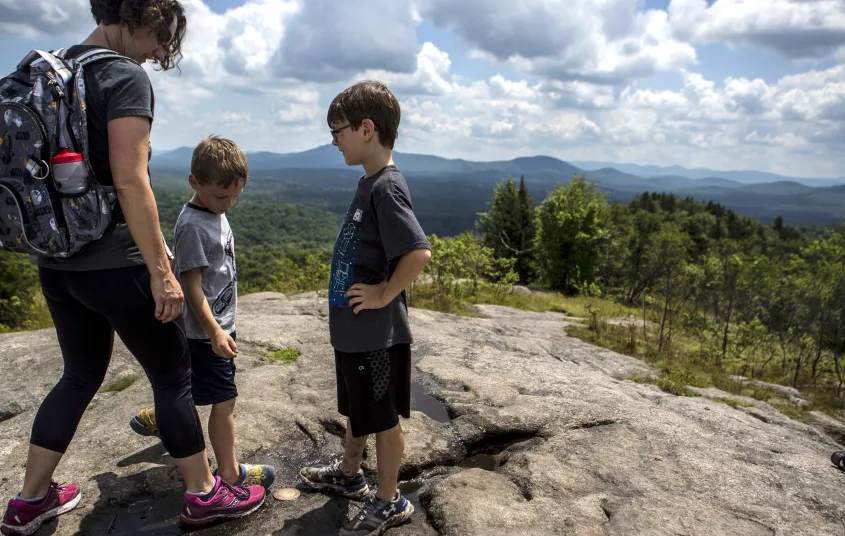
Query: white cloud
{"x":431,"y":76}
{"x":791,"y":126}
{"x":599,"y":41}
{"x":328,"y":40}
{"x":793,"y":28}
{"x":34,"y":18}
{"x":235,"y":47}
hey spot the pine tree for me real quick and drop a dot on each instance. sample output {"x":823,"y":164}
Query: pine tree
{"x":509,"y":226}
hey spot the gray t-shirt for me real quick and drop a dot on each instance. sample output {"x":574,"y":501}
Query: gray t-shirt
{"x":205,"y":240}
{"x":114,"y":88}
{"x":380,"y":227}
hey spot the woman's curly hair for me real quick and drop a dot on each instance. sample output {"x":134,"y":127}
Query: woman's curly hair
{"x":155,"y":14}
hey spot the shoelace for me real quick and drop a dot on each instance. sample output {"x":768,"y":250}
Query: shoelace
{"x":60,"y":488}
{"x":240,"y":493}
{"x":372,"y":507}
{"x":333,"y":468}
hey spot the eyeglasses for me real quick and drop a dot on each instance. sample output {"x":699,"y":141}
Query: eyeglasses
{"x":337,"y":130}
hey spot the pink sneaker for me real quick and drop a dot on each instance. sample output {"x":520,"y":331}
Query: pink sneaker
{"x":228,"y":502}
{"x":26,"y":518}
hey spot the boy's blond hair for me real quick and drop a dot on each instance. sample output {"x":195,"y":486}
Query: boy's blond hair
{"x":220,"y":161}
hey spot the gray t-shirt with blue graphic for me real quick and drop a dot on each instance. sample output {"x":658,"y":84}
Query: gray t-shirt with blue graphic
{"x":204,"y":240}
{"x":379,"y":228}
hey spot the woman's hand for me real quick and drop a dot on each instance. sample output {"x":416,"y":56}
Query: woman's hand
{"x":168,"y":296}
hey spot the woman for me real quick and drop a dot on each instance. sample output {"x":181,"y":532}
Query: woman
{"x":122,"y":282}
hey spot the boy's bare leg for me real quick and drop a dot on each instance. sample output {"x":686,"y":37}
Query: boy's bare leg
{"x":352,"y":452}
{"x":221,"y":432}
{"x":390,"y":445}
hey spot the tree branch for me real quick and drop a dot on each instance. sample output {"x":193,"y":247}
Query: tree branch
{"x":513,"y":250}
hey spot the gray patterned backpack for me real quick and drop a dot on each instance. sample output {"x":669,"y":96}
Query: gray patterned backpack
{"x":42,"y":114}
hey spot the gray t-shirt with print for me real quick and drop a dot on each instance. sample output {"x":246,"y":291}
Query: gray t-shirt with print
{"x":380,"y":227}
{"x":204,"y":240}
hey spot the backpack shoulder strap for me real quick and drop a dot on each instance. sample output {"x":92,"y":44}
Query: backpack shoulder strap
{"x":98,"y":54}
{"x":58,"y":64}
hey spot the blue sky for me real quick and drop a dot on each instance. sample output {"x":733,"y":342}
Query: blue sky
{"x":724,"y":84}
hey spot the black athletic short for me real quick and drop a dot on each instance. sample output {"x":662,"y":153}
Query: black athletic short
{"x":212,"y":376}
{"x":374,"y":388}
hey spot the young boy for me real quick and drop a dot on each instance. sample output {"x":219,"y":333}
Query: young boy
{"x":381,"y":248}
{"x":205,"y":266}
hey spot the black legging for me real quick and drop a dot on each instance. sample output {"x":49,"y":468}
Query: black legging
{"x":87,"y":308}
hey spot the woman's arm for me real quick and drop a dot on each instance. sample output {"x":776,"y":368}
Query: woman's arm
{"x":128,"y":150}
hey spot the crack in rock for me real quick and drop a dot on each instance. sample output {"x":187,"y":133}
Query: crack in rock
{"x":592,"y":424}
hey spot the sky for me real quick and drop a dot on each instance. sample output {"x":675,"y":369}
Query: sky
{"x":721,"y":84}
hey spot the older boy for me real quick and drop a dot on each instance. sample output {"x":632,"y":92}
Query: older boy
{"x":379,"y":251}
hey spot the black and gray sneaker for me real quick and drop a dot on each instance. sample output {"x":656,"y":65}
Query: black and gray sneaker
{"x":376,"y":516}
{"x":838,"y":459}
{"x":330,"y":478}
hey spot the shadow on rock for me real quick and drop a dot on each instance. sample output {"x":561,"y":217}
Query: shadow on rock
{"x":144,"y":503}
{"x":326,"y":520}
{"x":152,"y":454}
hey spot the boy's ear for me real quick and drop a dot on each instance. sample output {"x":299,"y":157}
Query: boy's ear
{"x":192,"y":181}
{"x":368,"y":127}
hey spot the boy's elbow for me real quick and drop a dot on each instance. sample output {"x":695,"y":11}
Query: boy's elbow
{"x":420,"y":256}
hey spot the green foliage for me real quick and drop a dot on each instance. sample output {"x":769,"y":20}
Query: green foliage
{"x":509,"y":226}
{"x":460,"y":268}
{"x":572,"y":231}
{"x":291,"y":274}
{"x":282,"y":355}
{"x":22,"y":305}
{"x":120,"y":384}
{"x":735,"y":403}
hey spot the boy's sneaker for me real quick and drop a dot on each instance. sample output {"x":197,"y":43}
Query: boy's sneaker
{"x":144,"y":423}
{"x":26,"y":518}
{"x":377,"y":516}
{"x":330,"y":478}
{"x":838,"y":459}
{"x":255,"y":475}
{"x":226,"y":502}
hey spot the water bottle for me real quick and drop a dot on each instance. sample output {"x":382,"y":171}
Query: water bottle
{"x":70,"y":172}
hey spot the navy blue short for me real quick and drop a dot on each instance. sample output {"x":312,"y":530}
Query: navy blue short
{"x":212,"y":376}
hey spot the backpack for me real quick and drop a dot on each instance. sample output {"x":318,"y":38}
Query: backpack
{"x":42,"y":114}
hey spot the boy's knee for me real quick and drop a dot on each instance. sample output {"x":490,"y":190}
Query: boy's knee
{"x":394,"y":432}
{"x":224,"y":407}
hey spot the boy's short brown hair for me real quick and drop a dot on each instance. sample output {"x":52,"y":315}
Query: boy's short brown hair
{"x":368,"y":100}
{"x":219,"y":160}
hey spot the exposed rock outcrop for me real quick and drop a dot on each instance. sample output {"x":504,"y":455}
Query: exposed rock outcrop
{"x":541,"y":434}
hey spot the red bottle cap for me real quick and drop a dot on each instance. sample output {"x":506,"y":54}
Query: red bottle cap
{"x":66,"y":157}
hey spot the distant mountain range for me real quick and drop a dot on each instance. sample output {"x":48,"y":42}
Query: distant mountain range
{"x":328,"y":157}
{"x":745,"y":177}
{"x":454,"y":190}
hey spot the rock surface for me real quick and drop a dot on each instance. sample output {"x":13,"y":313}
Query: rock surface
{"x":544,"y":435}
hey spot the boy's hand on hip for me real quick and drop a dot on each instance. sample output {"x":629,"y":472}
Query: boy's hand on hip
{"x":168,"y":296}
{"x":366,"y":296}
{"x":224,"y":345}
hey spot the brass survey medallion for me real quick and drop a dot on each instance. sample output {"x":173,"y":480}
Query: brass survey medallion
{"x":286,"y":494}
